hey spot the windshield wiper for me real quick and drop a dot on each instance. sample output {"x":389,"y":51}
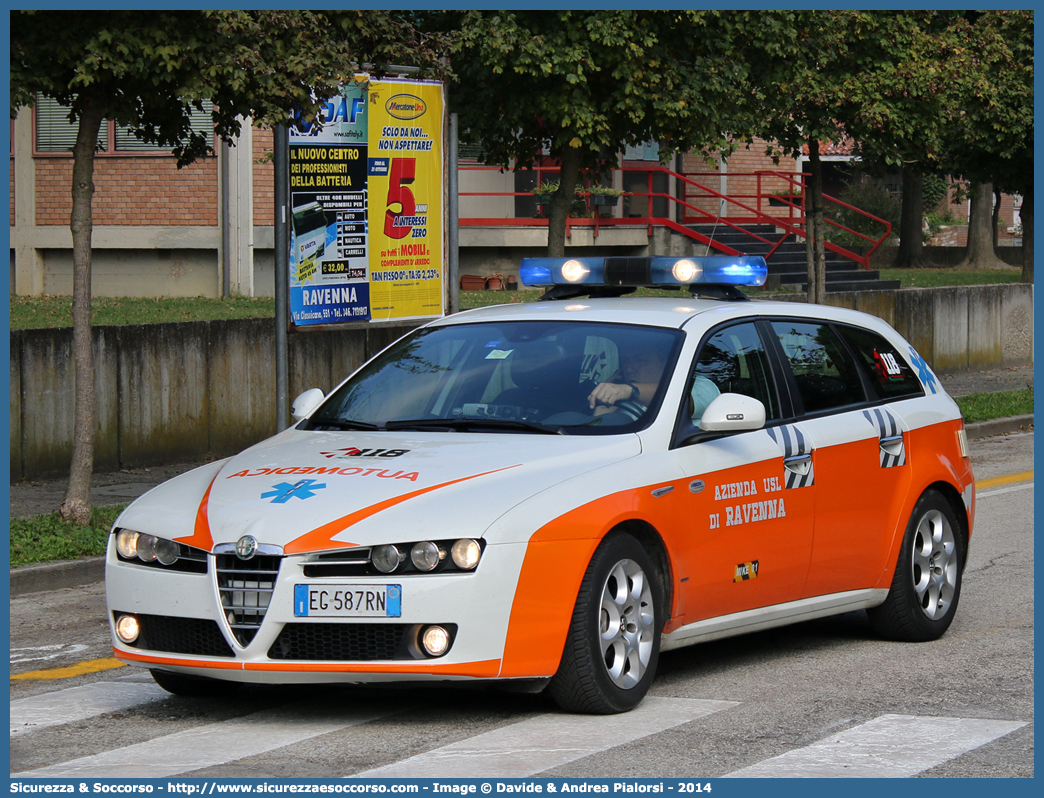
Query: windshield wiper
{"x":473,"y":423}
{"x":342,"y":423}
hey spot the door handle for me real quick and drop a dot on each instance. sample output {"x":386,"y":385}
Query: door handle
{"x":798,"y":463}
{"x":892,"y":445}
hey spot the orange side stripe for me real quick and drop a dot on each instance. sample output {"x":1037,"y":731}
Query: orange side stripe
{"x":322,"y":537}
{"x":483,"y":669}
{"x":201,"y":537}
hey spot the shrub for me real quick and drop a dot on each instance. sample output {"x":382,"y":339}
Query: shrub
{"x":870,"y":195}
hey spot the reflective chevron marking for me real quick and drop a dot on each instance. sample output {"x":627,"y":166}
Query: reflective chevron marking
{"x":891,"y":746}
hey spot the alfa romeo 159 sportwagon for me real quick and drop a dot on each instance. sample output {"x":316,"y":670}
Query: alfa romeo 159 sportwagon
{"x":551,"y":494}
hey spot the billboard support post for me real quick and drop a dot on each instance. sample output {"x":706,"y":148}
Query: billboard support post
{"x":282,"y":268}
{"x":453,"y":217}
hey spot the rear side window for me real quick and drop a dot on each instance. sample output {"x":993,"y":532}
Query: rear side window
{"x":824,"y":373}
{"x":887,"y":370}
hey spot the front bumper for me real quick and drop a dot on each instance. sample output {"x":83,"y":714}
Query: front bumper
{"x":186,"y":630}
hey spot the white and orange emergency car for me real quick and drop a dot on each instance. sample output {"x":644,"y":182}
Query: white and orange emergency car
{"x":553,"y":493}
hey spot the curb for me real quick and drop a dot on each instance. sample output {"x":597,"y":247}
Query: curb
{"x":56,"y":575}
{"x":76,"y":573}
{"x":1000,"y":426}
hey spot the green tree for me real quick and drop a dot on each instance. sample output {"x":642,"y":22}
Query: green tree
{"x":146,"y":70}
{"x":872,"y":76}
{"x":581,"y":85}
{"x":989,"y":138}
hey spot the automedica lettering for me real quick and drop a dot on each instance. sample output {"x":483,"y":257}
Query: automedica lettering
{"x":381,"y":473}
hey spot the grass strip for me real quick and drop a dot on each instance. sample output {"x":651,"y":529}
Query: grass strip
{"x":35,"y":312}
{"x":47,"y":538}
{"x":988,"y":406}
{"x":941,"y":278}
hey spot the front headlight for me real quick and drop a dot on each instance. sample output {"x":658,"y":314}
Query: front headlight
{"x":127,"y":543}
{"x":466,"y":553}
{"x":387,"y":558}
{"x":155,"y":551}
{"x":426,"y":556}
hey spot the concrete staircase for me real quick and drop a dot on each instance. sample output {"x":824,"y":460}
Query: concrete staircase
{"x":789,"y":263}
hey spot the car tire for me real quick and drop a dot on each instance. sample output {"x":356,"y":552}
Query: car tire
{"x":926,"y":586}
{"x":187,"y":686}
{"x":613,"y":644}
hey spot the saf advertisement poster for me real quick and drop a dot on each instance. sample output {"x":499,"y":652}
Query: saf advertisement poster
{"x":366,"y":204}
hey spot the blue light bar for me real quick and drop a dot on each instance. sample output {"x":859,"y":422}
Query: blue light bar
{"x":650,"y":272}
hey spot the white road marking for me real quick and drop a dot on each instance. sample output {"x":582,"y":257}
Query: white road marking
{"x":998,"y":491}
{"x":43,"y":653}
{"x":213,"y":744}
{"x":80,"y":703}
{"x":533,"y":746}
{"x":891,"y":746}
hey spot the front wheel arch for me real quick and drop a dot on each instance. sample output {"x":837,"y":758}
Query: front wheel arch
{"x":613,"y":642}
{"x":655,"y":548}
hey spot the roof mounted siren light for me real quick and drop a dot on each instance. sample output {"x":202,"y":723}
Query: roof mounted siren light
{"x":714,"y":276}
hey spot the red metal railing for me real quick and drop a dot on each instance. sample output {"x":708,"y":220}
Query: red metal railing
{"x":744,"y":208}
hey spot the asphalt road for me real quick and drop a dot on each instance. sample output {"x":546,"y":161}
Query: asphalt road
{"x":821,"y":698}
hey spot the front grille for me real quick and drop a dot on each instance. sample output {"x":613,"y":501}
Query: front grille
{"x":180,"y":635}
{"x":627,"y":271}
{"x":246,"y":589}
{"x":353,"y":562}
{"x":341,"y":642}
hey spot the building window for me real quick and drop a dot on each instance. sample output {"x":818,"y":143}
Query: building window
{"x":646,"y":151}
{"x":56,"y":134}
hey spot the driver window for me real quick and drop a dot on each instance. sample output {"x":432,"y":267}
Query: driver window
{"x":733,"y":360}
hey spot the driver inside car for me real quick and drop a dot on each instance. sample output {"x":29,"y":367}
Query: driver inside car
{"x":632,"y":388}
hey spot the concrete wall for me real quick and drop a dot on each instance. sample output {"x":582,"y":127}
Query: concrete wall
{"x":168,"y":392}
{"x":956,"y":328}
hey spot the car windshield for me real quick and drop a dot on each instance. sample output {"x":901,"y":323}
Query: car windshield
{"x":518,"y":376}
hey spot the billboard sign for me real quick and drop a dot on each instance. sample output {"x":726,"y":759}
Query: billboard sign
{"x":366,"y":206}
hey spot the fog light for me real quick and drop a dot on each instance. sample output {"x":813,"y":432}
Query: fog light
{"x":386,"y":558}
{"x":435,"y":640}
{"x":425,"y":556}
{"x":574,"y":271}
{"x":127,"y":628}
{"x":146,"y":548}
{"x":685,"y":271}
{"x":127,"y":543}
{"x":166,"y":551}
{"x":466,"y":554}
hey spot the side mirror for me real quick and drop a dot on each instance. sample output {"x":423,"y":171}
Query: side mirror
{"x":733,"y":412}
{"x":305,"y":403}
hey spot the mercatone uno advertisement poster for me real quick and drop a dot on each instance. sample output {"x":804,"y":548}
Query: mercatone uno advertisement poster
{"x":366,"y":206}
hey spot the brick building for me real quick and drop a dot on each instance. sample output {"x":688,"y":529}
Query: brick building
{"x":207,"y":229}
{"x":204,"y":230}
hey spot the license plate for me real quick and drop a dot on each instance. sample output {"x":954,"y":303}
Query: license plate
{"x":347,"y":601}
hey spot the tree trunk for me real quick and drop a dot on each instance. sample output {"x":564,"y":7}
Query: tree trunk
{"x":1027,"y":235}
{"x":77,"y":504}
{"x":996,"y":217}
{"x":911,"y":236}
{"x":815,"y":251}
{"x":980,"y":254}
{"x":561,"y":202}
